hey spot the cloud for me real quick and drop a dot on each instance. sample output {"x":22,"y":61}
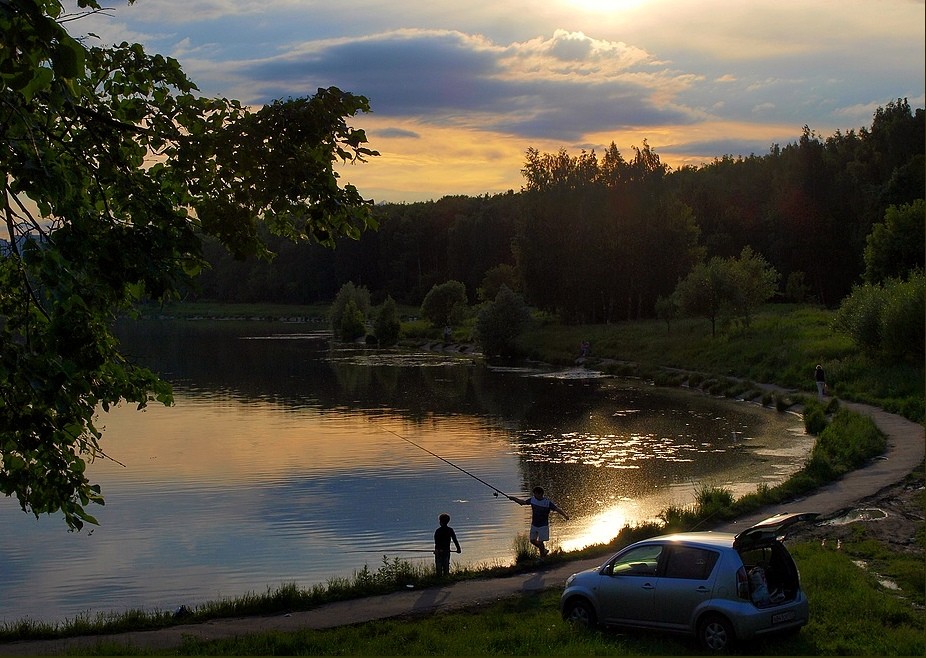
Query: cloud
{"x":563,"y":85}
{"x":763,"y":107}
{"x":721,"y":146}
{"x":398,"y":133}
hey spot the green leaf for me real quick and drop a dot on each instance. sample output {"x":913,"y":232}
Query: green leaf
{"x":68,"y":58}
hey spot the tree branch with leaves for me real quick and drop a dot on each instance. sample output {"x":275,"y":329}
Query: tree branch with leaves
{"x":114,"y":169}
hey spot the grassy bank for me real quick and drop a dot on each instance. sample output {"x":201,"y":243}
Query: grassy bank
{"x":781,"y":347}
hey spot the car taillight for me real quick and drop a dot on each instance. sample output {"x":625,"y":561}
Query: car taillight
{"x":742,"y":583}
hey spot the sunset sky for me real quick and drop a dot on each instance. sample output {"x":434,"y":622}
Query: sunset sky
{"x":460,"y":90}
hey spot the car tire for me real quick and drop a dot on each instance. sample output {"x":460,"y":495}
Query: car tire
{"x":579,"y":612}
{"x":715,"y":633}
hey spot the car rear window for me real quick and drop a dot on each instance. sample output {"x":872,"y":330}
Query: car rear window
{"x":690,"y":562}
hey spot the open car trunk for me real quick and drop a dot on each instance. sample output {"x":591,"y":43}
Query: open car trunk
{"x":772,"y":575}
{"x":771,"y":572}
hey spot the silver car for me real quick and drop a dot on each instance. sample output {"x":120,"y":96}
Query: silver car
{"x":717,"y":587}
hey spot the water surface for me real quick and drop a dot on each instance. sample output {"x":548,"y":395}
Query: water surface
{"x":283,"y":461}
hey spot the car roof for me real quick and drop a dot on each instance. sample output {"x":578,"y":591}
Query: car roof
{"x":707,"y":538}
{"x":768,"y":529}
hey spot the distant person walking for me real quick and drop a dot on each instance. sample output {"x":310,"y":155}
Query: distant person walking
{"x":442,"y":538}
{"x":820,"y":377}
{"x":540,"y":517}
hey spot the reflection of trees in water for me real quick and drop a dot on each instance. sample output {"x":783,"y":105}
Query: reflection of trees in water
{"x":250,"y":360}
{"x":582,"y":428}
{"x":353,"y":381}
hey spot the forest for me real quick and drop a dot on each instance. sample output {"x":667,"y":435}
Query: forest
{"x":601,"y":237}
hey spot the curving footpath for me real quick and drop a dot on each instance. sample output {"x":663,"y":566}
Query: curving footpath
{"x":906,"y":447}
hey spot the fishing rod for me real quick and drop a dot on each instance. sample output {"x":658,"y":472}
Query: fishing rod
{"x":447,"y":461}
{"x":389,"y":550}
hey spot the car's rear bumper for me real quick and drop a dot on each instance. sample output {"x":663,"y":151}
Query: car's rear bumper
{"x":759,"y":621}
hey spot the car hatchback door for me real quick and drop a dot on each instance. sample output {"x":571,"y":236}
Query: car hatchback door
{"x":774,"y":527}
{"x":687,"y":580}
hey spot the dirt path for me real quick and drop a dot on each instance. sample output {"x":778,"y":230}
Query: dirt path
{"x":883,"y":483}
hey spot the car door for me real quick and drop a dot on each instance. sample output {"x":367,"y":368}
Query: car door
{"x":687,"y":580}
{"x":628,"y":584}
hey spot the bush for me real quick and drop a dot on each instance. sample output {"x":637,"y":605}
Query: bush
{"x":859,"y":315}
{"x":353,"y":324}
{"x":903,"y":331}
{"x":387,"y":326}
{"x":524,"y":551}
{"x":888,"y":317}
{"x":849,"y":441}
{"x":814,"y":418}
{"x":445,"y":304}
{"x":714,"y":502}
{"x":359,"y":297}
{"x":500,"y":322}
{"x":782,"y":403}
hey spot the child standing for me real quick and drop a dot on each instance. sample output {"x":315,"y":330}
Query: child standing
{"x":442,"y":538}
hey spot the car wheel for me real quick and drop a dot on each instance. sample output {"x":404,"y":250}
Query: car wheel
{"x":579,"y":612}
{"x":715,"y":633}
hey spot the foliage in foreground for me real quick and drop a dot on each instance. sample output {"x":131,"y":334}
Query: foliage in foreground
{"x":114,"y":171}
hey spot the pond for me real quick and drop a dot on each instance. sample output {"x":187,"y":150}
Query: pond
{"x":288,"y":458}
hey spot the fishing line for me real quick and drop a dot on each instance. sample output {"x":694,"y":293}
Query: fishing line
{"x":447,"y":461}
{"x":389,"y":550}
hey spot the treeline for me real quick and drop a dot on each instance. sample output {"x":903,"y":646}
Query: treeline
{"x":599,"y":239}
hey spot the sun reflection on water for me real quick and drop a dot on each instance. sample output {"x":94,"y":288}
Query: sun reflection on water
{"x":598,"y":528}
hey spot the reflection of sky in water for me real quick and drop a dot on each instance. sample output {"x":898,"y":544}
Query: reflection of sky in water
{"x":278,"y":464}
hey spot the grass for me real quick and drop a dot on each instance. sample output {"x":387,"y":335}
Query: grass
{"x":782,"y":346}
{"x":531,"y":625}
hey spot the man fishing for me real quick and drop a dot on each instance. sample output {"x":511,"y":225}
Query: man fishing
{"x":540,"y":517}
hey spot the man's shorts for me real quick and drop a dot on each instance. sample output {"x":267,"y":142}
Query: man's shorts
{"x":540,"y":532}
